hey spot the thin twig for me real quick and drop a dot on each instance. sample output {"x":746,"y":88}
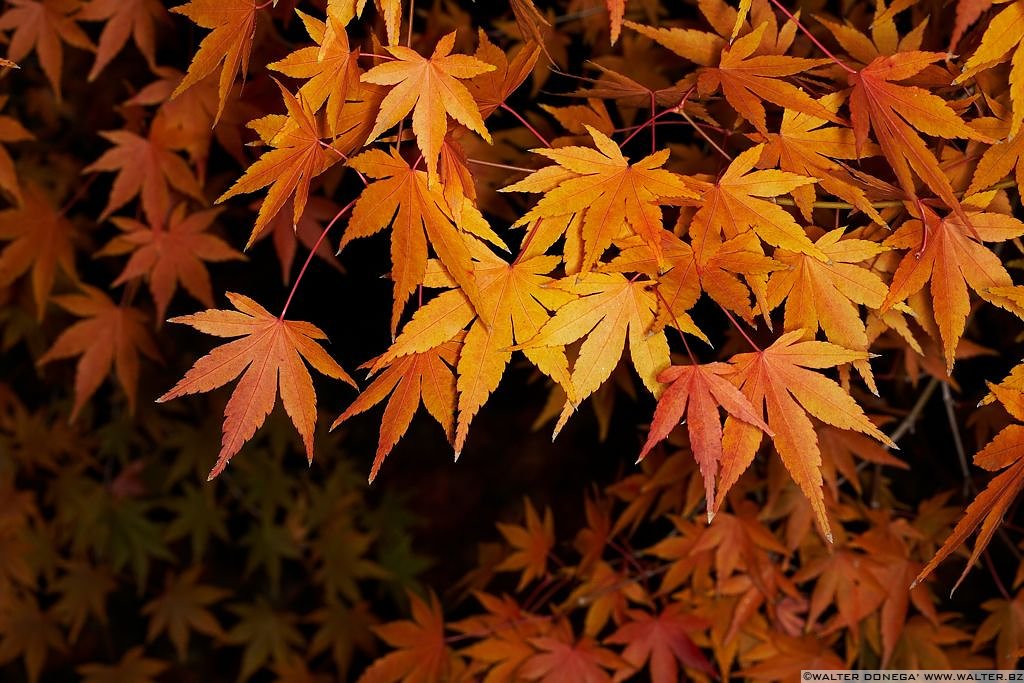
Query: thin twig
{"x":958,"y":443}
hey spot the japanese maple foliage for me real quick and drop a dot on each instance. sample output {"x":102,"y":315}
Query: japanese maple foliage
{"x":790,"y":234}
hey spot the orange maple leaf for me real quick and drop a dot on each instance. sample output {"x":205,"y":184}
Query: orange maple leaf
{"x":781,"y":379}
{"x":44,"y":25}
{"x":270,"y":353}
{"x":531,"y":544}
{"x":146,"y":167}
{"x":408,"y":379}
{"x":170,"y":254}
{"x":894,"y":111}
{"x":133,"y":667}
{"x":1004,"y":452}
{"x":431,"y":90}
{"x":298,"y":157}
{"x":330,"y":67}
{"x":234,"y":26}
{"x":110,"y":336}
{"x":607,"y":190}
{"x":422,"y":655}
{"x":698,"y":391}
{"x":952,"y":259}
{"x":825,"y":294}
{"x":11,"y":130}
{"x":41,"y":241}
{"x":401,"y":197}
{"x":183,"y":607}
{"x":123,"y":18}
{"x":662,"y":641}
{"x":562,"y":657}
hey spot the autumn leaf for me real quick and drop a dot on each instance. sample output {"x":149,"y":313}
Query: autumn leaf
{"x":401,"y":197}
{"x":562,"y":657}
{"x":146,"y":167}
{"x":123,"y":18}
{"x":896,"y":112}
{"x":1003,"y":36}
{"x":662,"y":642}
{"x":1004,"y":625}
{"x":530,"y":544}
{"x":781,"y":378}
{"x":40,"y":241}
{"x":519,"y":297}
{"x":1004,"y":452}
{"x":698,"y":391}
{"x":111,"y":336}
{"x":425,"y":376}
{"x":609,"y":309}
{"x":134,"y":667}
{"x":234,"y":25}
{"x":825,"y":294}
{"x":267,"y":634}
{"x":43,"y":26}
{"x":270,"y":353}
{"x":735,"y":204}
{"x":84,"y":590}
{"x":298,"y":157}
{"x":11,"y":130}
{"x":184,"y":607}
{"x":30,"y":633}
{"x":609,"y":192}
{"x":421,"y":654}
{"x":491,"y":88}
{"x":330,"y":68}
{"x":947,"y":252}
{"x":432,"y":91}
{"x":170,"y":254}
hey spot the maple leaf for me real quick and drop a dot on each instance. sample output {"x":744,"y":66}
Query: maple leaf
{"x":616,"y":10}
{"x":952,"y":258}
{"x":492,"y":88}
{"x":781,"y":378}
{"x":270,"y":353}
{"x":146,"y":167}
{"x":183,"y":607}
{"x":83,"y":591}
{"x":342,"y":630}
{"x":562,"y":657}
{"x":41,"y":241}
{"x":111,"y":336}
{"x":609,"y":309}
{"x":734,"y":204}
{"x":330,"y":67}
{"x":845,"y":580}
{"x":825,"y":294}
{"x":425,"y":376}
{"x":44,"y":25}
{"x":699,"y":391}
{"x":609,"y":192}
{"x":894,"y":111}
{"x":1004,"y":624}
{"x":11,"y":130}
{"x":30,"y":632}
{"x":806,"y":146}
{"x":999,"y":160}
{"x":421,"y":655}
{"x":234,"y":26}
{"x":123,"y":18}
{"x":431,"y":90}
{"x":663,"y":642}
{"x":531,"y":542}
{"x":717,"y":273}
{"x":298,"y":157}
{"x":1004,"y":452}
{"x":287,"y":237}
{"x":134,"y":667}
{"x":401,"y":197}
{"x":170,"y":254}
{"x":391,"y":10}
{"x":518,"y":296}
{"x":1005,"y":33}
{"x":268,"y":635}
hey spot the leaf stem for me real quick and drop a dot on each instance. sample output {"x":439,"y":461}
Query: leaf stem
{"x":312,"y":253}
{"x":814,"y":40}
{"x":543,"y":140}
{"x":737,"y":326}
{"x":689,"y":351}
{"x":519,"y":169}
